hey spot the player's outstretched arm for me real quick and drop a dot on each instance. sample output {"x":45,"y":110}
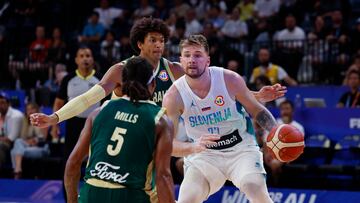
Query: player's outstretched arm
{"x":164,"y":180}
{"x":82,"y":102}
{"x":270,"y":93}
{"x":237,"y":87}
{"x":73,"y":165}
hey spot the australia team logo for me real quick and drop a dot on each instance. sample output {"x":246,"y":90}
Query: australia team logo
{"x":163,"y":76}
{"x":219,"y":100}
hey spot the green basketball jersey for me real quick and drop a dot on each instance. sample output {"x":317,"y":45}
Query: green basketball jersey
{"x":164,"y":79}
{"x":123,"y":143}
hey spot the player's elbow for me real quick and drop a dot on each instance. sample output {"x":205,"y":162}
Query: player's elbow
{"x":163,"y":175}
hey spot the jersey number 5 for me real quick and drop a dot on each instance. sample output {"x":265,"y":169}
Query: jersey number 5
{"x":117,"y":137}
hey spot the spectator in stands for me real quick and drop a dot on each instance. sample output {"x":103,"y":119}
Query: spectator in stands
{"x":180,"y":8}
{"x":40,"y":46}
{"x":338,"y":38}
{"x":233,"y":65}
{"x":265,"y":9}
{"x":193,"y":26}
{"x":171,"y":22}
{"x":10,"y":126}
{"x":31,"y":144}
{"x":291,"y":42}
{"x":214,"y":43}
{"x":355,"y":38}
{"x":45,"y":95}
{"x":161,"y":10}
{"x":355,"y":66}
{"x":121,"y":26}
{"x":319,"y":30}
{"x":107,"y":14}
{"x":57,"y":49}
{"x":287,"y":115}
{"x":351,"y":99}
{"x":93,"y":31}
{"x":109,"y":50}
{"x":234,"y":28}
{"x":200,"y":7}
{"x":179,"y":34}
{"x":215,"y":16}
{"x":246,"y":8}
{"x":274,"y":72}
{"x":145,"y":9}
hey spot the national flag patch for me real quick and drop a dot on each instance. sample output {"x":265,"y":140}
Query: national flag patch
{"x":206,"y":108}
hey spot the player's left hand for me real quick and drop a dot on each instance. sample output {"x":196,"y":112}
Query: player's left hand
{"x":270,"y":93}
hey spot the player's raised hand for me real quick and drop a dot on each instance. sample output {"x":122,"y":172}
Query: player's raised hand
{"x":42,"y":120}
{"x":205,"y":140}
{"x":270,"y":93}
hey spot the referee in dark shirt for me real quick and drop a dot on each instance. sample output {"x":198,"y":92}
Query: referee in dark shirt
{"x":74,"y":84}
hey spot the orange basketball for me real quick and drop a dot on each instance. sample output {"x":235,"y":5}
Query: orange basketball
{"x":285,"y":143}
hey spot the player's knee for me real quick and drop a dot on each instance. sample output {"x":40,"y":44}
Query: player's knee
{"x":255,"y":190}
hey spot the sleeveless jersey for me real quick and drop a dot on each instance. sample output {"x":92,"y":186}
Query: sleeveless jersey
{"x":164,"y":79}
{"x":123,"y":143}
{"x":217,"y":113}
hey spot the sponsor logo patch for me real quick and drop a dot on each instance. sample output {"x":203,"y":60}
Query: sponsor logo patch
{"x":219,"y":100}
{"x":163,"y":76}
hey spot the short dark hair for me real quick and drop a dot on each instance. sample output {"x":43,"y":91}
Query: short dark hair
{"x":4,"y":95}
{"x":195,"y":40}
{"x":287,"y":102}
{"x":145,"y":25}
{"x":354,"y":72}
{"x":136,"y":75}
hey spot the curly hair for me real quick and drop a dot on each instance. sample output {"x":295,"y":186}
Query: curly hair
{"x":145,"y":25}
{"x":136,"y":76}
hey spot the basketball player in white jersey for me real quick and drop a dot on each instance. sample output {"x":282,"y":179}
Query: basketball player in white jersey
{"x":224,"y":145}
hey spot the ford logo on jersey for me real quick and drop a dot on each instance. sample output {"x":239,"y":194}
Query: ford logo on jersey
{"x":163,"y":76}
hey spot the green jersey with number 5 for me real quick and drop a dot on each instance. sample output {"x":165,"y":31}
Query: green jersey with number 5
{"x":123,"y":143}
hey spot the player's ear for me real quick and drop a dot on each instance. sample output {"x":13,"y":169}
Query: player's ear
{"x":139,"y":44}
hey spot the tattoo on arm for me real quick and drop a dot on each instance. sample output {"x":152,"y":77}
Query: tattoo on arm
{"x":265,"y":120}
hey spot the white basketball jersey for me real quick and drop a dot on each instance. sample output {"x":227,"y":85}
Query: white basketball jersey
{"x":215,"y":114}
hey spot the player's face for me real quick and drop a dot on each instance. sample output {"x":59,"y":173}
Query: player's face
{"x":194,"y":60}
{"x":153,"y":46}
{"x":84,"y":58}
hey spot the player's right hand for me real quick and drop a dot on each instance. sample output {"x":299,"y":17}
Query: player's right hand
{"x":208,"y":139}
{"x":42,"y":120}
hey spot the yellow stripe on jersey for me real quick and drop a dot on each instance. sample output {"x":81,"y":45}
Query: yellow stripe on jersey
{"x":103,"y":184}
{"x":160,"y":114}
{"x":148,"y":183}
{"x":167,"y":67}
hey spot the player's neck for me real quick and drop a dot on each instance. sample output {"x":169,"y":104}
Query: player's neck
{"x":201,"y":85}
{"x":154,"y":62}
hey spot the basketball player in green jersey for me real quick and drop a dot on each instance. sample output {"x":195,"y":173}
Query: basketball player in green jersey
{"x":128,"y":139}
{"x":148,"y":37}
